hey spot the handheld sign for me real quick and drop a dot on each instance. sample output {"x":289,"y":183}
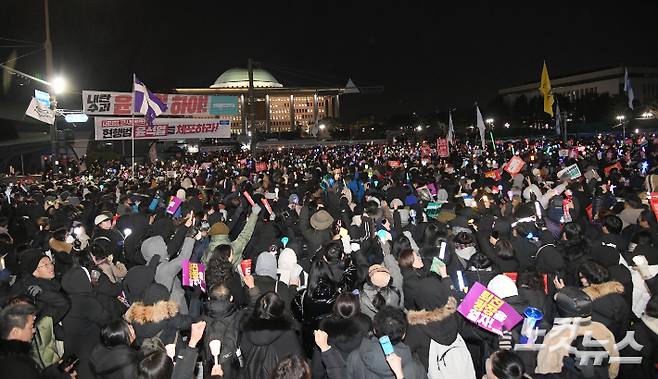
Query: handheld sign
{"x":483,"y":308}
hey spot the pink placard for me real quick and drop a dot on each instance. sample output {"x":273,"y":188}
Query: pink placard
{"x":483,"y":308}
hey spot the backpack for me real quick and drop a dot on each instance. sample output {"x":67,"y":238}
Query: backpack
{"x":260,"y":363}
{"x":450,"y":361}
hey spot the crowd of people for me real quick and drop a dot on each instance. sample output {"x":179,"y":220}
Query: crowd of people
{"x":335,"y":262}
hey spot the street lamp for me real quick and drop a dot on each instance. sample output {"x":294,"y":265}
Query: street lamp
{"x":621,"y":118}
{"x":322,"y":126}
{"x":507,"y":125}
{"x":419,"y":128}
{"x":489,"y":121}
{"x":58,"y":84}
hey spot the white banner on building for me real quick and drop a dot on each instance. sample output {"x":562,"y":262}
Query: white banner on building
{"x":107,"y":103}
{"x":115,"y":128}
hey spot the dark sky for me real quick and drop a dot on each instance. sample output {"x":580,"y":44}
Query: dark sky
{"x":426,"y":54}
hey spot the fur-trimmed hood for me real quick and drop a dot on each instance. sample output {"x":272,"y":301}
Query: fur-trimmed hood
{"x":143,"y":314}
{"x":597,"y":291}
{"x":424,"y":317}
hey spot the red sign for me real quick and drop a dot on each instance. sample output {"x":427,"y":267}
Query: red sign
{"x":611,"y":167}
{"x":394,"y":164}
{"x":515,"y":165}
{"x":494,"y":174}
{"x":654,"y":203}
{"x":425,"y":151}
{"x":262,"y":166}
{"x":442,"y":147}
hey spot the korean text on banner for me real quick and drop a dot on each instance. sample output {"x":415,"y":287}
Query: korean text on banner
{"x":194,"y":274}
{"x":39,"y":111}
{"x":107,"y":103}
{"x":515,"y":165}
{"x":111,"y":128}
{"x":488,"y":311}
{"x":572,"y":171}
{"x":442,"y":147}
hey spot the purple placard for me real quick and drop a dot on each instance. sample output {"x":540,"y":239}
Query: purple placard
{"x":174,"y":203}
{"x":488,"y":311}
{"x":194,"y":274}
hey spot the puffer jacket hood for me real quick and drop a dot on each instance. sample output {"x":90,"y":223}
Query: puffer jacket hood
{"x":264,"y":332}
{"x":115,"y":360}
{"x":438,"y":324}
{"x":77,"y":281}
{"x":153,"y":246}
{"x":370,"y":352}
{"x":346,"y":334}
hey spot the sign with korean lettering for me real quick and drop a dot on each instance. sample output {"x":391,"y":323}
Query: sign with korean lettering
{"x":483,"y":308}
{"x":194,"y":274}
{"x":106,"y":103}
{"x":515,"y":165}
{"x":572,"y":171}
{"x":442,"y":147}
{"x":114,"y":128}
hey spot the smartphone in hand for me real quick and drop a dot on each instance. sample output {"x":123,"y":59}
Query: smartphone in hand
{"x":386,"y":344}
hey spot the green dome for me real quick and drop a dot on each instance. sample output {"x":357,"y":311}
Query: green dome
{"x":239,"y":78}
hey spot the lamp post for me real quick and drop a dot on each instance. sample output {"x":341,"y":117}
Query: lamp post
{"x":621,"y":118}
{"x":490,"y":122}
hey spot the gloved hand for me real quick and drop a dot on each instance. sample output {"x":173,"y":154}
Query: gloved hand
{"x":34,"y":290}
{"x":256,"y":209}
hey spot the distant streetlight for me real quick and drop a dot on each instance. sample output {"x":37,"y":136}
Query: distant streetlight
{"x":489,"y":121}
{"x":58,"y":84}
{"x":322,"y":126}
{"x":637,"y":131}
{"x":419,"y":128}
{"x":507,"y":125}
{"x":647,"y":115}
{"x":620,"y":118}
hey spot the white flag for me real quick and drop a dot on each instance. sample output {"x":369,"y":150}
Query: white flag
{"x":451,"y":129}
{"x":480,"y":125}
{"x":39,"y":111}
{"x":628,"y":89}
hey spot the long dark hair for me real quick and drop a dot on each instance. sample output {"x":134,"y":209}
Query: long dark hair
{"x":116,"y":333}
{"x":156,"y":365}
{"x":320,"y":272}
{"x":347,"y":305}
{"x":269,"y":306}
{"x":505,"y":364}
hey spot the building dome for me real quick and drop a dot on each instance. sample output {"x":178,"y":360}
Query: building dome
{"x":239,"y":78}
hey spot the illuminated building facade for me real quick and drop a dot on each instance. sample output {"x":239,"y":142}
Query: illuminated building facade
{"x":277,"y":108}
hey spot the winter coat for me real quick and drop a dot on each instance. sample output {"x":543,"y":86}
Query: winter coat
{"x":222,"y":319}
{"x":285,"y":292}
{"x":345,"y":336}
{"x":309,"y":308}
{"x":161,"y":319}
{"x":83,"y":323}
{"x":392,"y":293}
{"x":314,"y":238}
{"x":16,"y":362}
{"x":438,"y":324}
{"x":50,"y":302}
{"x":107,"y":293}
{"x":238,"y":245}
{"x":117,"y":362}
{"x":558,"y":341}
{"x":609,"y":307}
{"x":368,"y":361}
{"x":275,"y":334}
{"x":167,"y":270}
{"x":549,"y":259}
{"x":411,"y":280}
{"x":646,"y":334}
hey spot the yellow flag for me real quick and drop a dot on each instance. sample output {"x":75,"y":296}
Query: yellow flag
{"x":545,"y":89}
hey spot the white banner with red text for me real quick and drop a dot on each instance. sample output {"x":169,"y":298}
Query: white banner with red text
{"x":115,"y":128}
{"x":107,"y":103}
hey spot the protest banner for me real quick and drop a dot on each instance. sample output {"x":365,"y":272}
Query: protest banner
{"x":261,"y":166}
{"x":113,"y":128}
{"x":483,"y":308}
{"x":107,"y":103}
{"x":394,"y":164}
{"x":194,"y":274}
{"x":442,"y":147}
{"x":515,"y":165}
{"x":607,"y":170}
{"x":654,"y":203}
{"x":174,"y":204}
{"x":493,"y":174}
{"x":572,"y":171}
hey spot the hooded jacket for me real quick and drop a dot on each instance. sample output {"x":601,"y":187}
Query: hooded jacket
{"x":646,"y":334}
{"x":276,"y":334}
{"x":155,"y":315}
{"x":609,"y":307}
{"x":238,"y":245}
{"x":368,"y":361}
{"x":117,"y":362}
{"x":167,"y":270}
{"x":83,"y":323}
{"x":345,"y":335}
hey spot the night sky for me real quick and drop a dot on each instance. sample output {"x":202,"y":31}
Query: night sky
{"x":427,"y":55}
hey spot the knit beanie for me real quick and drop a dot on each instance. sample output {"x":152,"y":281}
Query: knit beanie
{"x":266,"y":265}
{"x":29,"y":260}
{"x":218,"y":229}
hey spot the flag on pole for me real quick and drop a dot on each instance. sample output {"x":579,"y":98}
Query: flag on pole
{"x":145,"y":102}
{"x":545,"y":89}
{"x":558,"y":119}
{"x":451,"y":129}
{"x":480,"y":125}
{"x":628,"y":89}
